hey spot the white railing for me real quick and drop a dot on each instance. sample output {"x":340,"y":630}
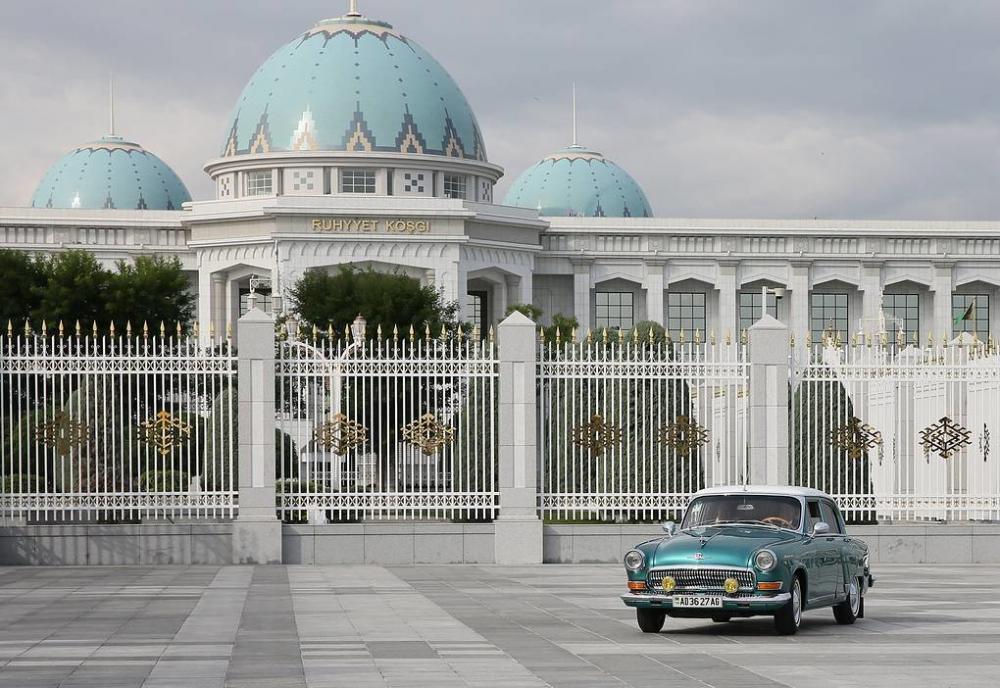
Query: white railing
{"x":629,"y":429}
{"x":896,"y":434}
{"x":397,"y":428}
{"x":104,"y":427}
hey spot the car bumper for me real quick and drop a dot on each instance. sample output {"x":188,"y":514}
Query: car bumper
{"x":757,"y":603}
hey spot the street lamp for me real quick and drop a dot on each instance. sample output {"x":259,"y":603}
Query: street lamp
{"x":777,"y":292}
{"x":358,"y":328}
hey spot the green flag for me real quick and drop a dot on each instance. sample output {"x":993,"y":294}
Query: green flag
{"x":969,"y":314}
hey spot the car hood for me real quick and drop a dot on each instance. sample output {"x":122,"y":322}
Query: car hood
{"x":717,"y":545}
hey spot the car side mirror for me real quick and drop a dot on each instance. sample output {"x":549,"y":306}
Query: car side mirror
{"x":669,"y":527}
{"x":821,"y":528}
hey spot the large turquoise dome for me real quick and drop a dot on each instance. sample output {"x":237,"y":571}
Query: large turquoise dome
{"x":111,"y":173}
{"x":353,"y":84}
{"x":578,"y":182}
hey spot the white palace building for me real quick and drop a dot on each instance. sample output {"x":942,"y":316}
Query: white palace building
{"x":352,"y":145}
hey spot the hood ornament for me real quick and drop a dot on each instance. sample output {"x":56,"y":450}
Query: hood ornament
{"x":698,"y":556}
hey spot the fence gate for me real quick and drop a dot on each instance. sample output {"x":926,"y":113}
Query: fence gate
{"x":116,"y":428}
{"x":629,"y":428}
{"x":899,"y":433}
{"x":401,"y":428}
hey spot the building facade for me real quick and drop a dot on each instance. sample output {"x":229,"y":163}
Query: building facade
{"x":351,"y":145}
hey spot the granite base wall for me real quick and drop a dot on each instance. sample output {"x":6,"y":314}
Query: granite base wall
{"x":902,"y":543}
{"x":148,"y":544}
{"x":398,"y":543}
{"x":389,"y":543}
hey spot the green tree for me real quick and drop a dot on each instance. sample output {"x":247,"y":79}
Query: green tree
{"x":563,"y":324}
{"x":383,"y":299}
{"x":828,"y":449}
{"x":22,"y":276}
{"x":153,"y":290}
{"x":75,"y":288}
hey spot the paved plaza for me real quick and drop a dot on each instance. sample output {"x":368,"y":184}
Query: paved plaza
{"x":361,"y":626}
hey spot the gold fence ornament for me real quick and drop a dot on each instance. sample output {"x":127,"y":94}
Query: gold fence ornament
{"x":596,"y":435}
{"x":63,"y":433}
{"x":163,"y":432}
{"x":340,"y":434}
{"x":855,"y":437}
{"x":684,"y":435}
{"x":945,"y":437}
{"x":428,"y":434}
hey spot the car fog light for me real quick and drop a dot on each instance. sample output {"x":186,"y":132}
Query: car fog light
{"x":731,"y":585}
{"x":669,"y":584}
{"x":634,"y":560}
{"x":765,"y":560}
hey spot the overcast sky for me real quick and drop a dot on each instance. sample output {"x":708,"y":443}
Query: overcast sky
{"x":719,"y":108}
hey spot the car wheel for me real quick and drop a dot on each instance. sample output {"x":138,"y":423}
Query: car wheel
{"x":722,"y":618}
{"x":788,"y":619}
{"x":848,"y":611}
{"x":650,"y":620}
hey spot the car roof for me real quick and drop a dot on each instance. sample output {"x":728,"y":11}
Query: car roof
{"x":784,"y":491}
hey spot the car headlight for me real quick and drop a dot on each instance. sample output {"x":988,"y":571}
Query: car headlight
{"x":865,"y":564}
{"x":765,"y":560}
{"x":634,"y":560}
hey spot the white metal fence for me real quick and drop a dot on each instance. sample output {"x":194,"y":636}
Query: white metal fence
{"x":116,"y":427}
{"x":397,"y":428}
{"x":628,"y":429}
{"x":899,"y":434}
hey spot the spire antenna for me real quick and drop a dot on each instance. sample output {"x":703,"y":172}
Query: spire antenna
{"x":574,"y":113}
{"x":353,"y":10}
{"x":111,"y":102}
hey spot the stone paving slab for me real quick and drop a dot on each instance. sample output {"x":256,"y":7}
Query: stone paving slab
{"x":357,"y":626}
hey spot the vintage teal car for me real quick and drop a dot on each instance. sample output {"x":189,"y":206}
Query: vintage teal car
{"x":747,"y":551}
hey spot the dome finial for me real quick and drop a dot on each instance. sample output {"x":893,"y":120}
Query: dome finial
{"x":353,"y":9}
{"x":574,"y":114}
{"x":111,"y":102}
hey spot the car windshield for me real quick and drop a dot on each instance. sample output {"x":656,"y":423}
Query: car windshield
{"x":784,"y":512}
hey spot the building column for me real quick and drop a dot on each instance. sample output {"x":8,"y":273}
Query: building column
{"x":727,"y":300}
{"x":517,"y":528}
{"x":257,"y":530}
{"x":942,"y":285}
{"x":654,"y":292}
{"x":581,"y":296}
{"x":798,"y":302}
{"x":871,"y":299}
{"x":204,"y":302}
{"x":219,"y":304}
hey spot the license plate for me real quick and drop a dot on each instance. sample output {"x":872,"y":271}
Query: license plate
{"x":701,"y":601}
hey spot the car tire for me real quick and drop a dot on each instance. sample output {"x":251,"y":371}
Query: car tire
{"x":788,"y":619}
{"x":650,"y":620}
{"x":722,"y":618}
{"x":853,"y":608}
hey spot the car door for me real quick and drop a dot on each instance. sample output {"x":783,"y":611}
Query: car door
{"x":832,"y":546}
{"x":817,"y":558}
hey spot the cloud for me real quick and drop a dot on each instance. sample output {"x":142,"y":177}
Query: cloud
{"x":859,"y":108}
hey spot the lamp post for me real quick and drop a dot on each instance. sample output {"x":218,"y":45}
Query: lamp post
{"x":358,"y":329}
{"x":777,"y":292}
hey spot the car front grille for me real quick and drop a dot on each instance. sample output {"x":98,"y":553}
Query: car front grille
{"x":702,"y":579}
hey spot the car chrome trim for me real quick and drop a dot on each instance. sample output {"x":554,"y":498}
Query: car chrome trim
{"x":780,"y":598}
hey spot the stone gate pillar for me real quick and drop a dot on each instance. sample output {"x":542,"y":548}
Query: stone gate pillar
{"x":769,"y":402}
{"x":257,"y":530}
{"x":518,"y":530}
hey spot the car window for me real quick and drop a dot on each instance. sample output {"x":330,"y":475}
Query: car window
{"x":785,"y":512}
{"x":814,"y":515}
{"x":830,"y":517}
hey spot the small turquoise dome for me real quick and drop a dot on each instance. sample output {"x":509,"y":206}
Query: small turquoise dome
{"x":353,"y":84}
{"x":578,"y":182}
{"x":111,"y":173}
